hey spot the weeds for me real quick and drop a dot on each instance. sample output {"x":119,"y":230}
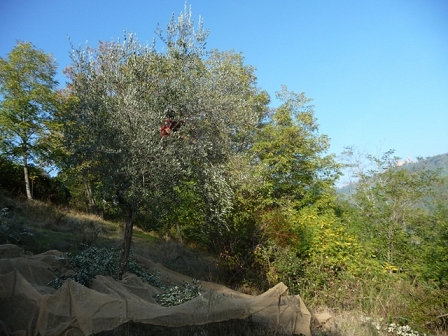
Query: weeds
{"x":389,"y":329}
{"x":395,"y":305}
{"x":6,"y":234}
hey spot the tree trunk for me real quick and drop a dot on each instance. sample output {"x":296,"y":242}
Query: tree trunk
{"x":27,"y":178}
{"x":90,"y":199}
{"x":127,"y":241}
{"x":181,"y":243}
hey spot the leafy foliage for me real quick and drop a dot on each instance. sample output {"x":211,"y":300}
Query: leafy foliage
{"x":43,"y":187}
{"x":124,"y":91}
{"x":391,"y":201}
{"x":176,"y":295}
{"x":7,"y":233}
{"x":284,"y":173}
{"x":291,"y":156}
{"x":27,"y":87}
{"x":92,"y":261}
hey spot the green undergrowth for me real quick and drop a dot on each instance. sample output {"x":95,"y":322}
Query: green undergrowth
{"x":388,"y":300}
{"x":144,"y":237}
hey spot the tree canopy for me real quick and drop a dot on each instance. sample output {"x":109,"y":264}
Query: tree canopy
{"x":124,"y":93}
{"x":393,"y":203}
{"x":29,"y":102}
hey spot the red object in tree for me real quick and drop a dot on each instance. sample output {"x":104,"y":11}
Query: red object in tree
{"x":165,"y":129}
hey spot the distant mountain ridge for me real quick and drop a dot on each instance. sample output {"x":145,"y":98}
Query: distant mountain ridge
{"x":438,"y":162}
{"x":432,"y":162}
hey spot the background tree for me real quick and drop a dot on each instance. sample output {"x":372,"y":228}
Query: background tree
{"x":392,"y":201}
{"x":125,"y":91}
{"x":27,"y":86}
{"x":291,"y":153}
{"x":284,"y":177}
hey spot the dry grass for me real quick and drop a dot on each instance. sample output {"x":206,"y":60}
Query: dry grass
{"x":182,"y":259}
{"x":39,"y":227}
{"x":343,"y":323}
{"x":378,"y":303}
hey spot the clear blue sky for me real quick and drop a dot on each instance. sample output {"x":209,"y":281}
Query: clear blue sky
{"x":377,"y":70}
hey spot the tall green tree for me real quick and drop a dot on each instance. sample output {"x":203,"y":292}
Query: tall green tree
{"x":291,"y":154}
{"x":27,"y":87}
{"x":125,"y":91}
{"x":284,"y":178}
{"x":394,"y":207}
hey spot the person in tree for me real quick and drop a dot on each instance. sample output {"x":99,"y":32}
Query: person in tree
{"x":166,"y":128}
{"x":170,"y":125}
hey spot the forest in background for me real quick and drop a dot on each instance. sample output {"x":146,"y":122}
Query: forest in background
{"x":181,"y":142}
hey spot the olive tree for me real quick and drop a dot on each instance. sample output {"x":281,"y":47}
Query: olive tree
{"x":29,"y":101}
{"x":126,"y":90}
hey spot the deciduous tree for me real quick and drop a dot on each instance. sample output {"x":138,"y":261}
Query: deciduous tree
{"x":392,"y":203}
{"x":285,"y":176}
{"x":291,"y":154}
{"x":29,"y":101}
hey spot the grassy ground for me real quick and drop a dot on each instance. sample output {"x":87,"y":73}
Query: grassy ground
{"x":39,"y":227}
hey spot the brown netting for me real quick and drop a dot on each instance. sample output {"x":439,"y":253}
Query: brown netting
{"x":29,"y":307}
